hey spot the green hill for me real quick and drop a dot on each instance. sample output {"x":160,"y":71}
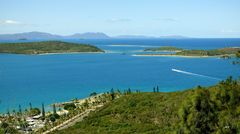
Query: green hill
{"x":46,"y":47}
{"x":214,"y":109}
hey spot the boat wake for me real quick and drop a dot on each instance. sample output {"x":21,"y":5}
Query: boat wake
{"x":189,"y":73}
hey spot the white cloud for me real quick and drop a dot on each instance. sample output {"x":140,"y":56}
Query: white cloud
{"x":9,"y":22}
{"x":118,"y":20}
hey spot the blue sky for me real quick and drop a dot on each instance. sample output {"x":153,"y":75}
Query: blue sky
{"x":194,"y":18}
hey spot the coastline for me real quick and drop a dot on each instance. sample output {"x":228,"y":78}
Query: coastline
{"x":68,"y":53}
{"x":168,"y":55}
{"x":164,"y":51}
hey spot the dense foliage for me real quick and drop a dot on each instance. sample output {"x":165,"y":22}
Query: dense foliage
{"x":34,"y":111}
{"x":6,"y":129}
{"x":214,"y":52}
{"x":69,"y":106}
{"x":46,"y":47}
{"x":214,"y":109}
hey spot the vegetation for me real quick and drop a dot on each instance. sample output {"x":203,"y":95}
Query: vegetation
{"x":214,"y":52}
{"x":223,"y":52}
{"x":69,"y":106}
{"x":237,"y":60}
{"x":164,"y":48}
{"x":93,"y":94}
{"x":34,"y":111}
{"x":214,"y":109}
{"x":6,"y":129}
{"x":238,"y":54}
{"x":46,"y":47}
{"x":43,"y":112}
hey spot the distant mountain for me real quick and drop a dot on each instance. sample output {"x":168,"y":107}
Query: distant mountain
{"x":173,"y":37}
{"x":29,"y":35}
{"x":150,"y":37}
{"x":48,"y":36}
{"x":132,"y":37}
{"x":89,"y":35}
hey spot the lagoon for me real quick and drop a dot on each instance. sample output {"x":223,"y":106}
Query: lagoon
{"x":62,"y":77}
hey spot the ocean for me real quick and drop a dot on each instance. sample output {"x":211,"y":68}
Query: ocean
{"x":61,"y":77}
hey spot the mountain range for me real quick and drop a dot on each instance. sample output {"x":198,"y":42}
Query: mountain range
{"x":89,"y":35}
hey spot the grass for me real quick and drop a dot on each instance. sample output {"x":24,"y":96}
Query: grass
{"x":214,"y":109}
{"x":134,"y":113}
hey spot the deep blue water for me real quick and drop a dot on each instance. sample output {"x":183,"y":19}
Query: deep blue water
{"x":62,"y":77}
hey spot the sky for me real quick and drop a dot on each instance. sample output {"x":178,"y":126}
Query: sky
{"x":193,"y":18}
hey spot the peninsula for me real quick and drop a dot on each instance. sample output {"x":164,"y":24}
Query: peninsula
{"x":46,"y":47}
{"x":164,"y":48}
{"x":179,"y":52}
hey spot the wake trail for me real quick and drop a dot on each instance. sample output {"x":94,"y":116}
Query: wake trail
{"x":189,"y":73}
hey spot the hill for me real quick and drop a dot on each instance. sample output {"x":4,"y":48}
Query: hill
{"x":88,"y":36}
{"x":46,"y":47}
{"x":30,"y":36}
{"x":214,"y":109}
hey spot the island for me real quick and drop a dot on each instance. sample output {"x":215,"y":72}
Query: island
{"x":164,"y":48}
{"x":179,"y":52}
{"x":47,"y":47}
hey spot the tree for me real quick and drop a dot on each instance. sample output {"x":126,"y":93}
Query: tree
{"x":93,"y":94}
{"x":157,"y":89}
{"x":238,"y":54}
{"x":34,"y":111}
{"x":154,"y":90}
{"x":198,"y":115}
{"x":52,"y":119}
{"x":43,"y":112}
{"x":69,"y":106}
{"x":129,"y":90}
{"x":54,"y":109}
{"x":8,"y":113}
{"x":237,"y":61}
{"x":20,"y":109}
{"x":112,"y":93}
{"x":30,"y":106}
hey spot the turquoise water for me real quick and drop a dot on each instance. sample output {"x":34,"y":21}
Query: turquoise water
{"x":62,"y":77}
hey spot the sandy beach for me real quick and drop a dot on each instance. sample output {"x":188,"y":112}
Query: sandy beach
{"x":70,"y":53}
{"x":168,"y":55}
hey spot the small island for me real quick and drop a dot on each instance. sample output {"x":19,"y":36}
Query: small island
{"x":47,"y":47}
{"x":179,"y":52}
{"x":164,"y":48}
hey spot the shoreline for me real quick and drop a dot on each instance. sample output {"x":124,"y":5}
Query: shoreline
{"x":164,"y":51}
{"x":168,"y":55}
{"x":67,"y":53}
{"x":58,"y":53}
